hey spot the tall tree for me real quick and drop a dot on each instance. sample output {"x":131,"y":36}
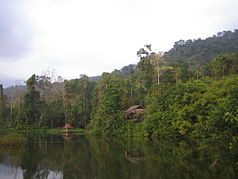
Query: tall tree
{"x":77,"y":100}
{"x":33,"y":107}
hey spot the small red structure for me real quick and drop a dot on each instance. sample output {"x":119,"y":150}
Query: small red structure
{"x":67,"y":126}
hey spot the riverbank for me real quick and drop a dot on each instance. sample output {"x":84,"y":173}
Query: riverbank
{"x":7,"y":131}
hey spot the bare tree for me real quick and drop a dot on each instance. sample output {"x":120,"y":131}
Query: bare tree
{"x":14,"y":96}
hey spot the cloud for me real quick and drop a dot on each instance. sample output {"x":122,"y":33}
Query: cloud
{"x":78,"y":36}
{"x":15,"y":31}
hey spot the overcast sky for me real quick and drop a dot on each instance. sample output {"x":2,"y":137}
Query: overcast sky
{"x":74,"y":37}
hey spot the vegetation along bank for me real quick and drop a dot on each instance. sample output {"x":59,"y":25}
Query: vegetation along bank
{"x":189,"y":91}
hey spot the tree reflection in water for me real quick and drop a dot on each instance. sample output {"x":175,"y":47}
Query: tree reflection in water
{"x":97,"y":157}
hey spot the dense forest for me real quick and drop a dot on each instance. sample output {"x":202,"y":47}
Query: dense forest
{"x":191,"y":90}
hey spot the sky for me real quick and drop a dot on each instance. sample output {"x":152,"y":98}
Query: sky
{"x":73,"y":37}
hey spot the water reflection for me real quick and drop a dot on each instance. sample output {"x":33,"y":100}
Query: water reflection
{"x":10,"y":172}
{"x":90,"y":157}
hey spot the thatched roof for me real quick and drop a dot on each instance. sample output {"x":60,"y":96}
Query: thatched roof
{"x":133,"y":110}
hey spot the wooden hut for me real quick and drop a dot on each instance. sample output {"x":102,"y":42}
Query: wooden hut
{"x":134,"y":113}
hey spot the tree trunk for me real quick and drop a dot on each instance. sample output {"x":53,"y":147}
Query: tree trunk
{"x":158,"y":76}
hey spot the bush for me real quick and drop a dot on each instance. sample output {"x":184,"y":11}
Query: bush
{"x":200,"y":109}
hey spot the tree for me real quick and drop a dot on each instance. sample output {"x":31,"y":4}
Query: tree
{"x":14,"y":96}
{"x":33,"y":108}
{"x":107,"y":103}
{"x":198,"y":53}
{"x":223,"y":65}
{"x":77,"y":101}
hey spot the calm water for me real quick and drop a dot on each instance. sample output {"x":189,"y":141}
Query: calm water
{"x":96,"y":158}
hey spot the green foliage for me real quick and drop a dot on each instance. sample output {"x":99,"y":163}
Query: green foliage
{"x":190,"y":91}
{"x":200,"y":108}
{"x":199,"y":52}
{"x":145,"y":73}
{"x":107,"y":99}
{"x":145,"y":77}
{"x":223,"y":65}
{"x":55,"y":113}
{"x":32,"y":112}
{"x":77,"y":101}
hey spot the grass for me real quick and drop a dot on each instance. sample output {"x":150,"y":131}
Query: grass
{"x":13,"y":140}
{"x":45,"y":131}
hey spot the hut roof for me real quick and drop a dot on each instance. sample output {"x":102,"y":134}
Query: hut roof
{"x":67,"y":126}
{"x":140,"y":110}
{"x":134,"y":109}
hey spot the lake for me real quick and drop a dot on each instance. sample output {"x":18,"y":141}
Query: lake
{"x":71,"y":157}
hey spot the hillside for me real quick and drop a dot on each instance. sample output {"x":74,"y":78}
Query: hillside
{"x":199,"y":52}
